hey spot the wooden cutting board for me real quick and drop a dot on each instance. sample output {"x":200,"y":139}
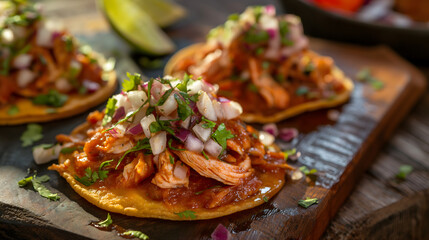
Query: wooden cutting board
{"x":340,"y":150}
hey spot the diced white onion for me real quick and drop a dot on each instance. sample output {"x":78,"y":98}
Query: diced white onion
{"x":169,"y":106}
{"x":63,"y":85}
{"x":136,"y":98}
{"x":212,"y":148}
{"x":22,"y":61}
{"x":231,"y":110}
{"x":145,"y":122}
{"x":266,"y":138}
{"x":185,"y":123}
{"x":25,"y":77}
{"x":44,"y":37}
{"x":7,"y":36}
{"x":202,"y":133}
{"x":158,"y":143}
{"x":205,"y":106}
{"x":218,"y":109}
{"x":139,"y":116}
{"x":122,"y":101}
{"x":180,"y":170}
{"x":194,"y":87}
{"x":42,"y":155}
{"x":194,"y":144}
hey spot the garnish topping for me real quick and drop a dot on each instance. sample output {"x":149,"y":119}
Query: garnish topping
{"x":110,"y":110}
{"x":136,"y":234}
{"x":186,"y":214}
{"x":107,"y":222}
{"x":32,"y":134}
{"x":53,"y":98}
{"x":306,"y":203}
{"x":404,"y":170}
{"x":13,"y":110}
{"x":91,"y":177}
{"x":37,"y":185}
{"x":221,"y":135}
{"x":366,"y":76}
{"x":306,"y":171}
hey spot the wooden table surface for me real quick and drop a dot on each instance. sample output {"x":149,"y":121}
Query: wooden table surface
{"x":379,"y":208}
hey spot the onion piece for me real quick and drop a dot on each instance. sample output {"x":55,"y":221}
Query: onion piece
{"x":180,"y":171}
{"x":63,"y":85}
{"x":25,"y":77}
{"x":158,"y":143}
{"x":271,"y":128}
{"x":185,"y":123}
{"x":205,"y":107}
{"x":223,"y":100}
{"x":202,"y":133}
{"x":7,"y":36}
{"x":136,"y":130}
{"x":91,"y":86}
{"x":182,"y":134}
{"x":115,"y":133}
{"x":42,"y":155}
{"x":218,"y":109}
{"x":146,"y":122}
{"x":136,"y":98}
{"x":44,"y":37}
{"x":119,"y":114}
{"x":270,"y":10}
{"x":221,"y":233}
{"x":266,"y":138}
{"x":232,"y":110}
{"x":212,"y":148}
{"x":287,"y":134}
{"x":22,"y":61}
{"x":122,"y":100}
{"x":194,"y":87}
{"x":169,"y":106}
{"x":194,"y":144}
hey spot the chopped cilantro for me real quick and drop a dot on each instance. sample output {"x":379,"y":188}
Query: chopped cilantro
{"x":161,"y":125}
{"x":32,"y":134}
{"x":110,"y":110}
{"x":164,"y":97}
{"x":265,"y":199}
{"x":284,"y":30}
{"x":140,"y":145}
{"x":50,"y":110}
{"x":306,"y":171}
{"x":404,"y":170}
{"x":6,"y":66}
{"x":258,"y":10}
{"x":89,"y":178}
{"x":173,"y":148}
{"x":171,"y":158}
{"x":132,"y":83}
{"x":305,"y":203}
{"x":254,"y":35}
{"x":205,"y":155}
{"x":37,"y":185}
{"x":365,"y":76}
{"x":68,"y":40}
{"x":265,"y":64}
{"x":128,"y":116}
{"x":13,"y":110}
{"x":287,"y":153}
{"x":221,"y":135}
{"x":183,"y":108}
{"x":183,"y":86}
{"x":259,"y":51}
{"x":302,"y":90}
{"x":107,"y":222}
{"x":309,"y":68}
{"x":53,"y":98}
{"x":136,"y":234}
{"x":208,"y":123}
{"x":234,"y":17}
{"x":186,"y":214}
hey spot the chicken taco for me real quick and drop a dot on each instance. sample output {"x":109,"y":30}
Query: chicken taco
{"x":170,"y":149}
{"x":263,"y":62}
{"x":44,"y":73}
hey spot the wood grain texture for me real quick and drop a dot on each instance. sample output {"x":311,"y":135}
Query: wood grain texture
{"x":341,"y":151}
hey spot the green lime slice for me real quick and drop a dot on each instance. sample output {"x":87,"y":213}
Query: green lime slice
{"x":163,"y":12}
{"x":136,"y":26}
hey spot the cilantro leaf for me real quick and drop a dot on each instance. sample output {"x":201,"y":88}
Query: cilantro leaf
{"x":183,"y":108}
{"x":164,"y":97}
{"x":183,"y":86}
{"x":132,"y":83}
{"x":161,"y":125}
{"x":288,"y":153}
{"x":88,"y":179}
{"x":70,"y":149}
{"x":107,"y":222}
{"x":306,"y":171}
{"x":404,"y":170}
{"x":265,"y":199}
{"x":309,"y":68}
{"x":110,"y":110}
{"x":136,"y":234}
{"x":31,"y":135}
{"x":140,"y":145}
{"x":171,"y":159}
{"x":208,"y":124}
{"x":221,"y":135}
{"x":305,"y":203}
{"x":37,"y":185}
{"x":254,"y":35}
{"x":302,"y":90}
{"x":365,"y":76}
{"x":13,"y":110}
{"x":53,"y":98}
{"x":205,"y":155}
{"x":173,"y":148}
{"x":186,"y":214}
{"x":103,"y":173}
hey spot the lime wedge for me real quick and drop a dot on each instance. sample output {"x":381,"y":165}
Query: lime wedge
{"x":163,"y":12}
{"x":136,"y":26}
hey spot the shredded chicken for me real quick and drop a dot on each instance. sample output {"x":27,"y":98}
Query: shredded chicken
{"x":137,"y":170}
{"x":213,"y":168}
{"x":167,"y":175}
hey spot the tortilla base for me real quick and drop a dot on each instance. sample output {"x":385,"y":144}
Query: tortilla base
{"x":132,"y":201}
{"x":280,"y":115}
{"x":76,"y":103}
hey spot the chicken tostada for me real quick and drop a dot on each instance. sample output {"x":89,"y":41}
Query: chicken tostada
{"x":263,"y":62}
{"x":170,"y":149}
{"x":44,"y":73}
